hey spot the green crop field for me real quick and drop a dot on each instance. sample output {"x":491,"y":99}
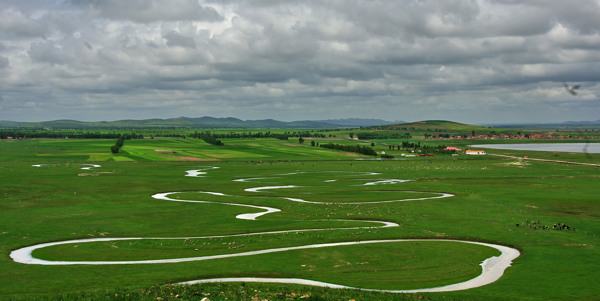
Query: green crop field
{"x":322,"y":215}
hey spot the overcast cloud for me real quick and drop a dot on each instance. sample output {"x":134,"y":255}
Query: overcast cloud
{"x":469,"y":61}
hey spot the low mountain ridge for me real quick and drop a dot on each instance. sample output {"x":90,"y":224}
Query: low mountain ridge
{"x":232,"y":122}
{"x":433,"y":124}
{"x":359,"y":122}
{"x":187,"y":122}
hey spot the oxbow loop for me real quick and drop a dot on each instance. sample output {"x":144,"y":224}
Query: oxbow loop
{"x":492,"y":268}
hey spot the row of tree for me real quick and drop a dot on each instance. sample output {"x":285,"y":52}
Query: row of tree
{"x":120,"y":142}
{"x":405,"y":145}
{"x":427,"y":135}
{"x":427,"y":149}
{"x":383,"y":135}
{"x":361,"y":149}
{"x":28,"y":134}
{"x":436,"y":149}
{"x":210,"y":139}
{"x":279,"y":136}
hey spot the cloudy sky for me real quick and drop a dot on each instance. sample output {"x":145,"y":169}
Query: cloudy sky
{"x":485,"y":61}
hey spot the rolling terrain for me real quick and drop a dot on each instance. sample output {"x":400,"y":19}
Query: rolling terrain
{"x":202,"y":122}
{"x":169,"y":198}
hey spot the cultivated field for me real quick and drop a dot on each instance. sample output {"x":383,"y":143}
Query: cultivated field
{"x":166,"y":211}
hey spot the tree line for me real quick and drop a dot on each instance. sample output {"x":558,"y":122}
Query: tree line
{"x":28,"y":134}
{"x":426,"y":149}
{"x":210,"y":139}
{"x":281,"y":136}
{"x":405,"y":145}
{"x":120,"y":142}
{"x":437,"y":149}
{"x":241,"y":135}
{"x":427,"y":135}
{"x":361,"y":149}
{"x":383,"y":135}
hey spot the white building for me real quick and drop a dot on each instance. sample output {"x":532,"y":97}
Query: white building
{"x":475,"y":152}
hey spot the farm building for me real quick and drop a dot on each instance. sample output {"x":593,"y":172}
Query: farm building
{"x":453,"y":148}
{"x":475,"y":152}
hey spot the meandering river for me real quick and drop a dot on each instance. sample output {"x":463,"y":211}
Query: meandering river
{"x":492,"y":268}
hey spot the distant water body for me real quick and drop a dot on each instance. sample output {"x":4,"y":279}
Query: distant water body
{"x":548,"y":147}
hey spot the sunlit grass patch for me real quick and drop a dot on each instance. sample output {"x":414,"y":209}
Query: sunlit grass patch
{"x":228,"y":154}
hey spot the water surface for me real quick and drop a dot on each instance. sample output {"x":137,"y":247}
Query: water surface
{"x":547,"y":147}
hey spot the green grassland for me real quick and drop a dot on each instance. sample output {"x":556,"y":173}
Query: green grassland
{"x":60,"y":201}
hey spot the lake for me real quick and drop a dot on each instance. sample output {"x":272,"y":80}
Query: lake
{"x":547,"y":147}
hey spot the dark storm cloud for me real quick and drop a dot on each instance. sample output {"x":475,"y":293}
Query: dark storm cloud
{"x":469,"y":61}
{"x":4,"y":63}
{"x":47,"y":52}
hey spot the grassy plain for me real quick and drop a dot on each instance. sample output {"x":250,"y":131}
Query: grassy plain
{"x":61,"y":201}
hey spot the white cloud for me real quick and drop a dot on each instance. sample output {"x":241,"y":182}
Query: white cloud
{"x":471,"y":61}
{"x":146,"y":11}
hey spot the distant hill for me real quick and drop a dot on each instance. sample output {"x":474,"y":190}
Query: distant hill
{"x":231,"y":122}
{"x":582,"y":123}
{"x":545,"y":126}
{"x":434,"y":124}
{"x":358,"y":122}
{"x":201,"y":122}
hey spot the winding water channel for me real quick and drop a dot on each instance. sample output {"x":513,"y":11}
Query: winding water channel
{"x":492,"y":268}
